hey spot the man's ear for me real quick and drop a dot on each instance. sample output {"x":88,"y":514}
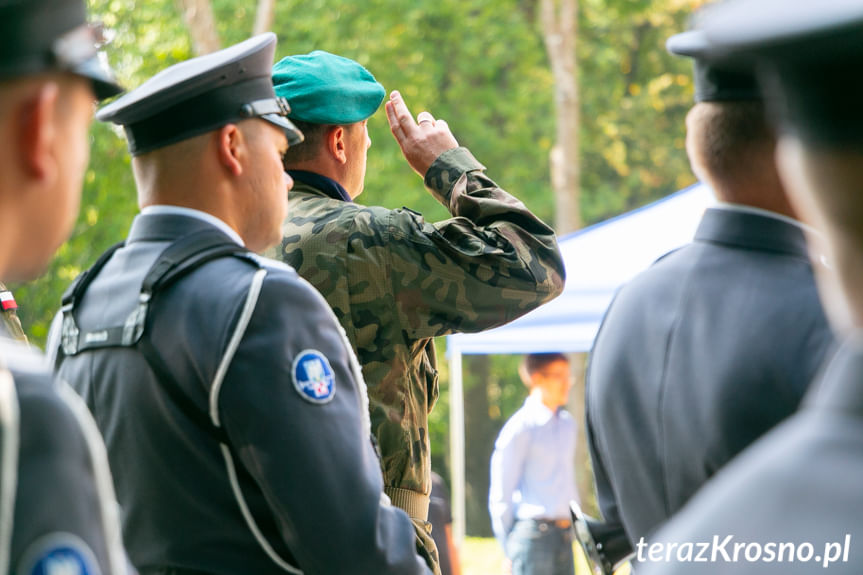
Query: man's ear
{"x":230,"y":145}
{"x":37,"y":132}
{"x":524,"y":375}
{"x":336,"y":143}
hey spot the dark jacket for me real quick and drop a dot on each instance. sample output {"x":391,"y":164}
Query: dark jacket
{"x":697,"y":357}
{"x":793,"y":495}
{"x":56,"y":493}
{"x":294,"y":480}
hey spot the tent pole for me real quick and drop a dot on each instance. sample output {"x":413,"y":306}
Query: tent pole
{"x":456,"y":443}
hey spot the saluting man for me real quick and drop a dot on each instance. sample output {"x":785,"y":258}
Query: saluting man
{"x":394,"y":280}
{"x":234,"y":411}
{"x":58,"y":512}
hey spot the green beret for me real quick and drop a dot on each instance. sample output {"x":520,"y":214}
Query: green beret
{"x":323,"y":88}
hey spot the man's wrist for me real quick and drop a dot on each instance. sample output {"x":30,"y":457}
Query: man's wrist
{"x":446,"y":170}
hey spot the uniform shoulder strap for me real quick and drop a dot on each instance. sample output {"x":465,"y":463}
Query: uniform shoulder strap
{"x":77,"y":288}
{"x":179,"y":258}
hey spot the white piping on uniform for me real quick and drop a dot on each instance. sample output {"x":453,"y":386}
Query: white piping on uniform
{"x":215,"y":389}
{"x":356,"y":370}
{"x":262,"y":541}
{"x":236,"y":338}
{"x":108,"y":506}
{"x":9,"y":471}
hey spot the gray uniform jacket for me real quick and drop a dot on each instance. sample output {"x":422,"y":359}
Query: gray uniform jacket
{"x":791,"y":502}
{"x":696,"y":358}
{"x":57,"y":504}
{"x":294,"y":482}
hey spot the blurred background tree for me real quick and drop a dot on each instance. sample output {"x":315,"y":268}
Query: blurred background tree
{"x":484,"y":66}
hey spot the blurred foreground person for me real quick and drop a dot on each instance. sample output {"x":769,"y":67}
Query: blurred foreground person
{"x":718,"y":341}
{"x":57,"y":507}
{"x":395,"y":281}
{"x":533,"y":473}
{"x":233,"y":409}
{"x":791,"y":503}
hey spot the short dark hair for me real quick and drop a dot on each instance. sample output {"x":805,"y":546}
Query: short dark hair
{"x":313,"y":134}
{"x":730,"y":140}
{"x":535,"y":362}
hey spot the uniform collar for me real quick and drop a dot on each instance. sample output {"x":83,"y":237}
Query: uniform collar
{"x":754,"y":231}
{"x":328,"y":186}
{"x":143,"y":230}
{"x":767,"y":214}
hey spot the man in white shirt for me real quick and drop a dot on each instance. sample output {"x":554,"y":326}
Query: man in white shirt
{"x":533,"y":473}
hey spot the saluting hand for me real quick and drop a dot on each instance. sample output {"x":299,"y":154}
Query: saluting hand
{"x":421,"y":141}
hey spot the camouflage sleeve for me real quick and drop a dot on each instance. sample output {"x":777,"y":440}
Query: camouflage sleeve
{"x":491,"y":263}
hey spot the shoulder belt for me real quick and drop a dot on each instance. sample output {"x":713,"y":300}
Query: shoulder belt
{"x":178,"y":259}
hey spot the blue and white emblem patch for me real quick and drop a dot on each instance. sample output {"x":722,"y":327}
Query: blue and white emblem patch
{"x":313,"y":377}
{"x":59,"y":554}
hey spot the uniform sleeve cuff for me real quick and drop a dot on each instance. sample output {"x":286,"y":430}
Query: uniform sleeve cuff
{"x":447,"y":168}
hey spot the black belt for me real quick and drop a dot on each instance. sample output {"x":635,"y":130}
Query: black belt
{"x":559,"y":523}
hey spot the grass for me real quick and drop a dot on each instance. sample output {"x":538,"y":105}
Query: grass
{"x":483,"y":556}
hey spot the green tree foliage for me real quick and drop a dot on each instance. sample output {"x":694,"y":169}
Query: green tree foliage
{"x":479,"y":64}
{"x":149,"y":37}
{"x":634,"y":98}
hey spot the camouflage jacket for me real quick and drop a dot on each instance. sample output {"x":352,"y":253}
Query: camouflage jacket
{"x":396,"y":281}
{"x":9,"y":315}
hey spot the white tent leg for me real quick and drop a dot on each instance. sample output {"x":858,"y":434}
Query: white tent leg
{"x":456,"y":443}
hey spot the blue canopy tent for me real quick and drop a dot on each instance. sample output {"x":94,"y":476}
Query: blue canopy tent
{"x":598,"y":259}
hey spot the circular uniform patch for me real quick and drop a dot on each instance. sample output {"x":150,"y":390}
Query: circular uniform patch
{"x":313,"y":377}
{"x":59,"y":554}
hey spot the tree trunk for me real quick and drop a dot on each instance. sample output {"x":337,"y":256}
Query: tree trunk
{"x":198,"y":15}
{"x":264,"y":16}
{"x":559,"y":20}
{"x":559,"y":27}
{"x":482,"y":433}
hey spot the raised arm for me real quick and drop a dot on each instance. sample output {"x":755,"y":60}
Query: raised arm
{"x":491,"y":263}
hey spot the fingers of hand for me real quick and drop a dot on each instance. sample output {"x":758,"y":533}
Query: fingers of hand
{"x":401,"y":116}
{"x":395,"y":126}
{"x":425,"y":118}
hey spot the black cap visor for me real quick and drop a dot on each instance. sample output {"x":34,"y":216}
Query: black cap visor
{"x":294,"y":135}
{"x":75,"y":51}
{"x":78,"y":52}
{"x":275,"y":111}
{"x":97,"y":71}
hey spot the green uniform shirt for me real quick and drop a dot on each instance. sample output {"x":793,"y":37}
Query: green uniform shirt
{"x":396,"y":281}
{"x":9,"y":315}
